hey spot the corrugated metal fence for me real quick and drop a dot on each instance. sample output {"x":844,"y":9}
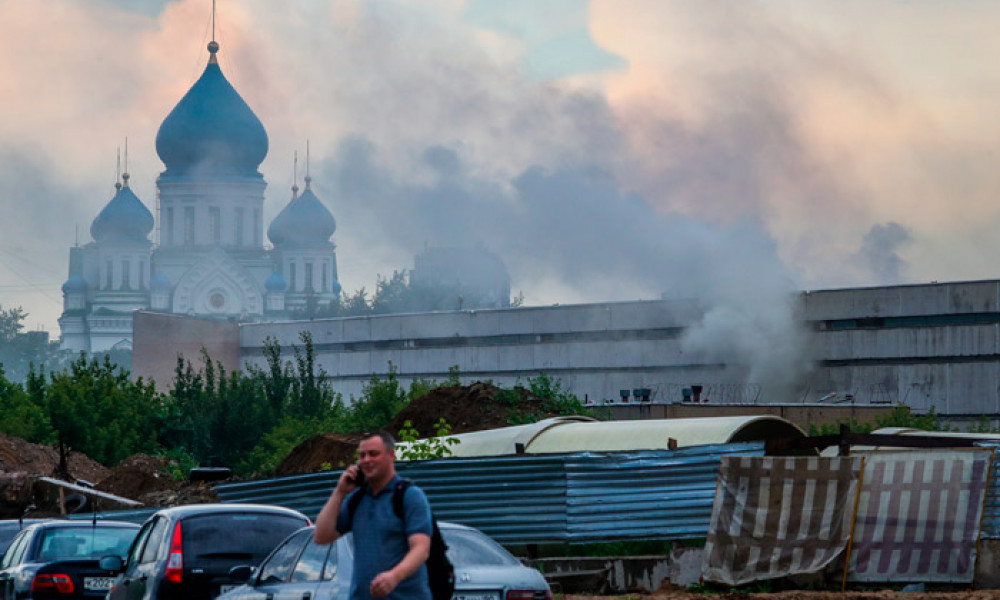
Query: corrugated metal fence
{"x":990,"y":529}
{"x":537,"y":499}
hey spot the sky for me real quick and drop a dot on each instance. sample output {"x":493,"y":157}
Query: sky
{"x":732,"y":151}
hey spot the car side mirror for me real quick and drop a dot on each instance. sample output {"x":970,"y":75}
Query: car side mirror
{"x":241,"y":573}
{"x":111,"y":563}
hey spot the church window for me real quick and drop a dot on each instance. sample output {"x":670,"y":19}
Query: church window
{"x":109,"y":275}
{"x":215,"y":223}
{"x":189,"y":225}
{"x":292,"y":270}
{"x":238,"y":233}
{"x":142,"y":274}
{"x":309,"y":277}
{"x":326,"y":283}
{"x":126,"y":283}
{"x":168,"y":227}
{"x":256,"y":227}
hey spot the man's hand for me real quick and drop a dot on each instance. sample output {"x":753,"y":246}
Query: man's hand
{"x":383,"y":584}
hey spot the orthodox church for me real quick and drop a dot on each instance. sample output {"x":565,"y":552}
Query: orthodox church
{"x":210,"y":259}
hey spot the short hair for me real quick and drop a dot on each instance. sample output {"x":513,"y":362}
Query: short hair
{"x":388,"y":441}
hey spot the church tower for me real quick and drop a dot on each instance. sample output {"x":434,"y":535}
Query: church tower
{"x":210,"y":259}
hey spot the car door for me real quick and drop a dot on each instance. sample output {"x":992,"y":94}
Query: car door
{"x":139,"y":571}
{"x":307,"y":573}
{"x":275,"y":573}
{"x":8,"y":565}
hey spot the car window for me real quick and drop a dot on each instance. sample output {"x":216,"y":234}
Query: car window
{"x":242,"y":536}
{"x":153,"y":543}
{"x":330,"y":568}
{"x":11,"y":557}
{"x":467,"y":547}
{"x":88,"y":541}
{"x":310,"y":565}
{"x":138,"y":545}
{"x":279,"y":566}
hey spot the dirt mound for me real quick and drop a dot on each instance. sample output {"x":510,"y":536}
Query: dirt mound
{"x":314,"y":454}
{"x":138,"y":475}
{"x":468,"y":408}
{"x":465,"y":408}
{"x":147,"y":479}
{"x":20,"y":456}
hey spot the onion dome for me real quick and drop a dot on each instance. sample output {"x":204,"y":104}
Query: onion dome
{"x":275,"y":283}
{"x":303,"y":222}
{"x":75,"y":284}
{"x":212,"y":131}
{"x":159,"y":282}
{"x":124,"y":219}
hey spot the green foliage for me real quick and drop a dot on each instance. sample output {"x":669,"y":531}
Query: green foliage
{"x":553,"y":398}
{"x":97,"y":409}
{"x":20,"y":416}
{"x":380,"y":400}
{"x":427,"y":448}
{"x":899,"y":416}
{"x":179,"y":465}
{"x":420,"y":387}
{"x":277,"y":443}
{"x":454,"y":376}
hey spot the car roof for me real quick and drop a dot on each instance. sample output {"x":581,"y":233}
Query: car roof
{"x":63,"y":524}
{"x":187,"y":510}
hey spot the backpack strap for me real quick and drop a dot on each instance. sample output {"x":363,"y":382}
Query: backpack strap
{"x":397,"y":498}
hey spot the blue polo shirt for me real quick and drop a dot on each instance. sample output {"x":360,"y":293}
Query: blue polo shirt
{"x":380,"y":541}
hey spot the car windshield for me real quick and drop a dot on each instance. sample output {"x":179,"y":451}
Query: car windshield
{"x":69,"y":543}
{"x":467,"y":548}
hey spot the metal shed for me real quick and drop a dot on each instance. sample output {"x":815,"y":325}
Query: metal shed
{"x":584,"y":434}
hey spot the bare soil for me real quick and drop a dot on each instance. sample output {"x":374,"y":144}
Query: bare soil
{"x":466,"y":408}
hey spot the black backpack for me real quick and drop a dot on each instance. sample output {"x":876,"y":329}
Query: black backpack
{"x":440,"y":571}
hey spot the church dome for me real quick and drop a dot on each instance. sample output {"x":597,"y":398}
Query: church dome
{"x":212,"y":131}
{"x":75,"y":284}
{"x":159,"y":282}
{"x":275,"y":283}
{"x":336,"y":287}
{"x":124,"y":219}
{"x":303,"y":222}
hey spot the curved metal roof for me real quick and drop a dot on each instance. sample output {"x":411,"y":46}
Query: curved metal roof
{"x":584,"y":434}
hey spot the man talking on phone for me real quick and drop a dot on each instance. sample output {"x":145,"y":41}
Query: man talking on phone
{"x":389,"y":552}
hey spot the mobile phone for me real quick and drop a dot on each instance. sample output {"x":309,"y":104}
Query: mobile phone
{"x":359,"y":479}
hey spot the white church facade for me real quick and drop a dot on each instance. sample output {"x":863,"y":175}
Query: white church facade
{"x":210,"y":259}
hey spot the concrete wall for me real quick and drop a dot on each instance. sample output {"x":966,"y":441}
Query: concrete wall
{"x":158,"y":339}
{"x":933,"y":345}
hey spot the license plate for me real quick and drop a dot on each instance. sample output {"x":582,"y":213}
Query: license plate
{"x":98,"y":583}
{"x":475,"y":596}
{"x":225,"y":588}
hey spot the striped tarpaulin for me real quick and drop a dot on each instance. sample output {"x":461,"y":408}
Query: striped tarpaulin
{"x":778,"y":516}
{"x":919,"y":515}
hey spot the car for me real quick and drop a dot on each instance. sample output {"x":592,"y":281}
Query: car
{"x":9,"y":528}
{"x":300,"y":568}
{"x":60,"y":559}
{"x":186,"y":552}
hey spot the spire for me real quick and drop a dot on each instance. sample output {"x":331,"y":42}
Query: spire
{"x":118,"y":170}
{"x":213,"y":46}
{"x":125,"y":175}
{"x":295,"y":175}
{"x":308,"y":178}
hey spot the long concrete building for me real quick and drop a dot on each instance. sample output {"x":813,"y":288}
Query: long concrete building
{"x":927,"y":346}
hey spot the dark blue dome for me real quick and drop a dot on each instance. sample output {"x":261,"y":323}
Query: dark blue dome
{"x":211,"y":131}
{"x":303,"y":222}
{"x":159,"y":282}
{"x":75,"y":283}
{"x":336,"y":287}
{"x":275,"y":283}
{"x":124,"y":219}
